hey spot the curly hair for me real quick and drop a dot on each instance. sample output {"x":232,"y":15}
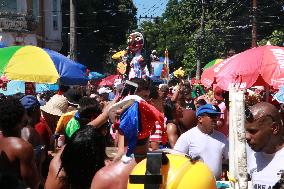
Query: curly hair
{"x":12,"y":112}
{"x":89,"y":109}
{"x":169,"y":108}
{"x":142,"y":83}
{"x":82,"y":157}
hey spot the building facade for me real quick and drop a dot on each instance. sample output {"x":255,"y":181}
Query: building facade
{"x":31,"y":22}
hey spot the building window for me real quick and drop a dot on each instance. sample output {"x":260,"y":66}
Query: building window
{"x":8,"y":5}
{"x":36,"y":10}
{"x":55,"y":15}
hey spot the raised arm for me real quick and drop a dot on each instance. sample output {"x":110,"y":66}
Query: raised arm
{"x":103,"y":117}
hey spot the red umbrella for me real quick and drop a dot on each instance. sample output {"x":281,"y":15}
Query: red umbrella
{"x":108,"y":81}
{"x":256,"y":65}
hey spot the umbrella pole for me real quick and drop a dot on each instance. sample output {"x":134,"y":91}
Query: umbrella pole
{"x":237,"y":143}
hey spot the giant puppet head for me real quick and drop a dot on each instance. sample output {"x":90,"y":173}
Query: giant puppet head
{"x":135,"y":42}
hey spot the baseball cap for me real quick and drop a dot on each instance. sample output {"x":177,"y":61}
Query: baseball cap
{"x":207,"y":108}
{"x":29,"y":101}
{"x":104,"y":90}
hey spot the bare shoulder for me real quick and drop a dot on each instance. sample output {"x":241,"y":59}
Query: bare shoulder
{"x":18,"y":147}
{"x":54,"y":176}
{"x":106,"y":176}
{"x":171,"y":127}
{"x":103,"y":178}
{"x":112,"y":176}
{"x":55,"y":163}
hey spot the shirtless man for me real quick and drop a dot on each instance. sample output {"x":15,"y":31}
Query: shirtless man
{"x":16,"y":155}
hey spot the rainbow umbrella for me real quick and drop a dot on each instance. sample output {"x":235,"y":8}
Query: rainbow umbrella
{"x":212,"y":63}
{"x":34,"y":64}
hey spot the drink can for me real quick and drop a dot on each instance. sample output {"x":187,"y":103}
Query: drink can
{"x":61,"y":141}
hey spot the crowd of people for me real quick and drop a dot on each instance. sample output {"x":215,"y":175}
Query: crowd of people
{"x":58,"y":140}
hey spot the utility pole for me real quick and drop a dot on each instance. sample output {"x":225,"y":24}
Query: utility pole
{"x":73,"y":37}
{"x":254,"y":32}
{"x":200,"y":43}
{"x":146,"y":17}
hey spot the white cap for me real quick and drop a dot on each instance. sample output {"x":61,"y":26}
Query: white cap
{"x":117,"y":82}
{"x":104,"y":90}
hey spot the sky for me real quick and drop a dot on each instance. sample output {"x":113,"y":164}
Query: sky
{"x":150,"y":7}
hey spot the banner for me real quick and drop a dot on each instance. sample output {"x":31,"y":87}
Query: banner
{"x":156,"y":68}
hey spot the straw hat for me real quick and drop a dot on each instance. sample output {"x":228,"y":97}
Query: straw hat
{"x":57,"y":105}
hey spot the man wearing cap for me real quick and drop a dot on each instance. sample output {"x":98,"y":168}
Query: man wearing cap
{"x":204,"y":141}
{"x":29,"y":133}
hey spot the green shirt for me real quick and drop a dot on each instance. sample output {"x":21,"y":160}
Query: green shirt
{"x":72,"y":126}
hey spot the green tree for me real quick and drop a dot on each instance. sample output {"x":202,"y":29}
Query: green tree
{"x":276,"y":38}
{"x":227,"y":26}
{"x":101,"y":26}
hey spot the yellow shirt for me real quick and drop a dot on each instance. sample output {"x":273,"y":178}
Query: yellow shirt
{"x":63,"y":120}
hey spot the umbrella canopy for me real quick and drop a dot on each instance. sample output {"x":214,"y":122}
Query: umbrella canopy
{"x":108,"y":81}
{"x":34,"y":64}
{"x":2,"y":45}
{"x":118,"y":55}
{"x":265,"y":63}
{"x":212,"y":63}
{"x":95,"y":75}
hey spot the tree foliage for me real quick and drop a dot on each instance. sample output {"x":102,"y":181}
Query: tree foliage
{"x":228,"y":25}
{"x":102,"y":25}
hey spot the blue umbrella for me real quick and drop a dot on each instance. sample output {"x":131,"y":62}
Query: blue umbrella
{"x":95,"y":75}
{"x":71,"y":73}
{"x":2,"y":45}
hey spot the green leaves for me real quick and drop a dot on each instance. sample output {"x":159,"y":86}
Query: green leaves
{"x":101,"y":25}
{"x":227,"y":26}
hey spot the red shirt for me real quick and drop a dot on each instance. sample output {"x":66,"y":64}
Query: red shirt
{"x":44,"y":131}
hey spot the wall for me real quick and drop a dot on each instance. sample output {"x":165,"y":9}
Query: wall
{"x":46,"y":29}
{"x":15,"y":28}
{"x":53,"y":24}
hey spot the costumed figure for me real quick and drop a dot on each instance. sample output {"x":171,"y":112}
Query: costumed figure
{"x":137,"y":122}
{"x":137,"y":66}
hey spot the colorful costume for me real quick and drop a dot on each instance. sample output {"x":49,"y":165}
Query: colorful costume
{"x":138,"y":68}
